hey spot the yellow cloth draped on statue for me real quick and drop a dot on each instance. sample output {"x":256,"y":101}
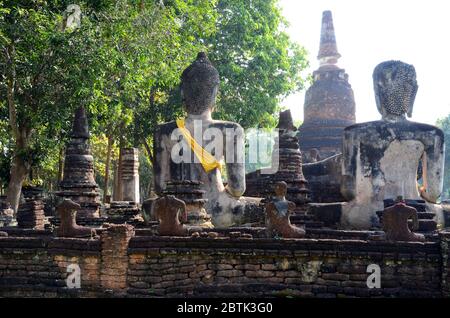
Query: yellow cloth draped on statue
{"x":207,"y":160}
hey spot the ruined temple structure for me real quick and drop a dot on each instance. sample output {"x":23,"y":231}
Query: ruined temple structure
{"x":329,"y":103}
{"x":78,"y":182}
{"x":183,"y":257}
{"x":192,"y":194}
{"x":287,"y":165}
{"x":30,"y":213}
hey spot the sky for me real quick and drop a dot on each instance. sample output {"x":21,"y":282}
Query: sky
{"x":370,"y":32}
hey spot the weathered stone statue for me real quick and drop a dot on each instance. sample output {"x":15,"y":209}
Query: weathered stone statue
{"x":278,"y":212}
{"x":67,"y":211}
{"x":381,"y":158}
{"x":395,"y":223}
{"x":175,"y":160}
{"x":168,"y":210}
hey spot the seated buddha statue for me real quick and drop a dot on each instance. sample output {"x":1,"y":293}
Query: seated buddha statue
{"x":278,"y":211}
{"x":381,"y":158}
{"x":199,"y":148}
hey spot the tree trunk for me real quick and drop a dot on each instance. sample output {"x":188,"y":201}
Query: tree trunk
{"x":19,"y":172}
{"x":107,"y":167}
{"x":61,"y":165}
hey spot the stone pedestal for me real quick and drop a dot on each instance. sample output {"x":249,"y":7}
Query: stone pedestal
{"x":130,"y":175}
{"x":123,"y":212}
{"x":78,"y":183}
{"x":30,"y":214}
{"x":190,"y":192}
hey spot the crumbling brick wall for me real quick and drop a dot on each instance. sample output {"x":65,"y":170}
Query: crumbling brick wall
{"x":120,"y":265}
{"x":37,"y":266}
{"x":305,"y":268}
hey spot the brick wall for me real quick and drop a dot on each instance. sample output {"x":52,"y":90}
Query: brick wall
{"x":158,"y":266}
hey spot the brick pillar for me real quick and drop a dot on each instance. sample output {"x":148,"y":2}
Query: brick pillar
{"x":445,"y":244}
{"x":114,"y":267}
{"x":130,"y":174}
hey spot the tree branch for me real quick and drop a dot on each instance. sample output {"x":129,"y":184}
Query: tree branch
{"x":149,"y":150}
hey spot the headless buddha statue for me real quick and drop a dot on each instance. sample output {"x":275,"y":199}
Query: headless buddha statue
{"x":278,"y":212}
{"x":193,"y":149}
{"x":67,"y":211}
{"x":381,"y":158}
{"x":395,"y":223}
{"x":168,"y":210}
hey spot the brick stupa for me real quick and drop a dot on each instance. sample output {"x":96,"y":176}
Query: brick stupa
{"x":78,"y":183}
{"x":289,"y":168}
{"x":329,"y":103}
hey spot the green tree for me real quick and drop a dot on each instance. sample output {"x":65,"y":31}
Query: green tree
{"x":444,"y":124}
{"x":114,"y":65}
{"x":257,"y":62}
{"x":46,"y":72}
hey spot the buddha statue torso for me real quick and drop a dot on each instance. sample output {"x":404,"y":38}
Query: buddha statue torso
{"x":381,"y":158}
{"x":175,"y":160}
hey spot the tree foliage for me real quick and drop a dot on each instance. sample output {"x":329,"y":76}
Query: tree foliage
{"x":124,"y":64}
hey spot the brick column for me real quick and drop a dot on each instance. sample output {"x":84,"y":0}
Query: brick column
{"x":130,"y":174}
{"x":114,"y":267}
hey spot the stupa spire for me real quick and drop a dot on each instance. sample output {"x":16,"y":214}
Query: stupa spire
{"x":328,"y":52}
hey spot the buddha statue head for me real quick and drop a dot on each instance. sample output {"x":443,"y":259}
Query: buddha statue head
{"x":280,"y":189}
{"x":199,"y":85}
{"x":395,"y":88}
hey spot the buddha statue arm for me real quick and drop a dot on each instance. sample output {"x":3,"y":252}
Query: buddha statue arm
{"x":156,"y":209}
{"x":161,"y":164}
{"x":348,"y":165}
{"x":433,"y":163}
{"x":236,"y":167}
{"x":415,"y":220}
{"x":291,"y":207}
{"x":182,"y":208}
